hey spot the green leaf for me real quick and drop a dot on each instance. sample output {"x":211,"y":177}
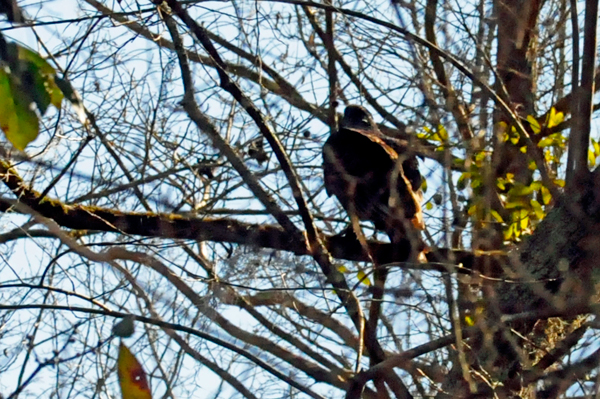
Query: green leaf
{"x":41,"y":79}
{"x":34,"y":85}
{"x":546,"y":142}
{"x":18,"y":121}
{"x":26,"y":54}
{"x":424,"y":185}
{"x":429,"y":206}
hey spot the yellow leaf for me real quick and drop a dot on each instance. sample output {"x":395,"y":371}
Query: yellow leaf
{"x":443,"y":132}
{"x":480,"y":156}
{"x":342,"y":269}
{"x":132,"y":377}
{"x":523,"y":149}
{"x":536,"y":185}
{"x":362,"y":277}
{"x":546,"y":196}
{"x":596,"y":147}
{"x":537,"y":208}
{"x":532,"y":165}
{"x":508,"y":233}
{"x":515,"y":203}
{"x":519,"y":190}
{"x":524,"y":223}
{"x":559,"y":182}
{"x":546,"y":142}
{"x":555,"y":118}
{"x":496,"y":216}
{"x":535,"y":126}
{"x":469,"y":321}
{"x":429,"y":206}
{"x":591,"y":158}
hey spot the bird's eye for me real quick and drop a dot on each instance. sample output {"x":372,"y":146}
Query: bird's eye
{"x":365,"y":120}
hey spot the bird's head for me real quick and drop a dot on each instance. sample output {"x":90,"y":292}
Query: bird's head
{"x":357,"y":117}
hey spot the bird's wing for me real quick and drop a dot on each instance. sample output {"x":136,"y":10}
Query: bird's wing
{"x":377,"y":137}
{"x":330,"y":175}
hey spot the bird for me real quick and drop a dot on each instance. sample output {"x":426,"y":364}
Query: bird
{"x":360,"y":169}
{"x":376,"y":179}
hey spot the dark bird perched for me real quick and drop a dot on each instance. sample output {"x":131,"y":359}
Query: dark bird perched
{"x":360,"y":168}
{"x":375,"y":179}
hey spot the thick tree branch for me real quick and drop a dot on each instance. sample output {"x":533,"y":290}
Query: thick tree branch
{"x":580,"y":137}
{"x":90,"y":218}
